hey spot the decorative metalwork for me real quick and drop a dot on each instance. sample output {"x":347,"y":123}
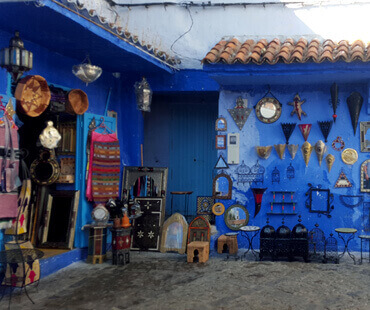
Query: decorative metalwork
{"x":221,"y":124}
{"x":288,"y":129}
{"x":290,"y":172}
{"x":257,"y":194}
{"x":268,"y":110}
{"x":306,"y":149}
{"x":267,"y":241}
{"x":325,"y":128}
{"x":275,"y":176}
{"x":357,"y":198}
{"x":329,"y":161}
{"x":264,"y":152}
{"x":320,"y":149}
{"x":342,"y":180}
{"x":282,"y":242}
{"x":87,"y":72}
{"x":143,"y":94}
{"x":354,"y":103}
{"x":283,"y":203}
{"x":319,"y":200}
{"x":316,"y":243}
{"x":299,"y":241}
{"x":335,"y":143}
{"x":349,"y":156}
{"x":305,"y":130}
{"x":365,"y":176}
{"x":331,"y":250}
{"x":334,"y":99}
{"x":292,"y":149}
{"x":297,"y":106}
{"x":222,"y":186}
{"x":250,"y":175}
{"x":365,"y":144}
{"x":240,"y":113}
{"x":280,"y":149}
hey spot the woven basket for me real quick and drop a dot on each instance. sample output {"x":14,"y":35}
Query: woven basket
{"x":33,"y":95}
{"x":77,"y":102}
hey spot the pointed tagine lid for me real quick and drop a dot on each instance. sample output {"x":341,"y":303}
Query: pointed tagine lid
{"x":293,"y":148}
{"x":125,"y":221}
{"x":354,"y":103}
{"x":280,"y":149}
{"x":307,"y":149}
{"x":320,"y":149}
{"x":305,"y":130}
{"x":329,"y":161}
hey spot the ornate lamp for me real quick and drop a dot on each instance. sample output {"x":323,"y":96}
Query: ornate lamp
{"x":86,"y":71}
{"x":143,"y":94}
{"x":15,"y":58}
{"x":257,"y":194}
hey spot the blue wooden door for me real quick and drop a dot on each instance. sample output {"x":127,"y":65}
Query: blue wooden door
{"x":85,"y":207}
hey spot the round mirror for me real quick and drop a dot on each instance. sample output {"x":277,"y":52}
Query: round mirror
{"x":236,"y":217}
{"x":268,"y":110}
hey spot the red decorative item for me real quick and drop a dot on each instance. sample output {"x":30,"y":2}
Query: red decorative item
{"x":257,"y":194}
{"x":305,"y":130}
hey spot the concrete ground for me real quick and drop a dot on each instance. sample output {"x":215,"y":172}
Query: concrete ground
{"x":166,"y":281}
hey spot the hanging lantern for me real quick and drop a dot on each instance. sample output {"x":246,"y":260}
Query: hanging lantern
{"x":143,"y":94}
{"x":86,"y":71}
{"x":275,"y":176}
{"x":15,"y":58}
{"x":290,"y":172}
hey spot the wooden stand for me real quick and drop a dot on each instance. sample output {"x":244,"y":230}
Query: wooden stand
{"x":198,"y":252}
{"x":97,"y":244}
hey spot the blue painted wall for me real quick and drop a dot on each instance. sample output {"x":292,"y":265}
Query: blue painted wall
{"x":255,"y":133}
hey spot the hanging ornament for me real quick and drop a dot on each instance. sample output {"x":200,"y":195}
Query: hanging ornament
{"x":275,"y":176}
{"x":329,"y":161}
{"x":240,"y":113}
{"x":305,"y":130}
{"x":334,"y":99}
{"x":325,"y":128}
{"x":342,"y":181}
{"x":338,"y":144}
{"x":307,"y":149}
{"x":50,"y":136}
{"x":354,"y":103}
{"x":290,"y":172}
{"x":280,"y":149}
{"x":297,"y":106}
{"x":257,"y":194}
{"x":264,"y":152}
{"x":288,"y":129}
{"x":292,"y":149}
{"x":320,"y":149}
{"x":349,"y":156}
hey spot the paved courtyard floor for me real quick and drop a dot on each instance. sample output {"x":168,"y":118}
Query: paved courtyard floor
{"x":166,"y":281}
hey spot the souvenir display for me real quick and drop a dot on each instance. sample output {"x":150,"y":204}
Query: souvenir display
{"x":77,"y":102}
{"x":292,"y":149}
{"x":220,"y":142}
{"x":174,"y":234}
{"x":297,"y":106}
{"x":33,"y":95}
{"x":222,"y":186}
{"x":290,"y":172}
{"x":365,"y":176}
{"x":354,"y":103}
{"x":268,"y":110}
{"x":241,"y":112}
{"x":221,"y":124}
{"x":283,"y":203}
{"x":319,"y":200}
{"x":264,"y":152}
{"x":218,"y":208}
{"x":325,"y":128}
{"x":280,"y":150}
{"x":338,"y":144}
{"x":45,"y":169}
{"x":199,"y":230}
{"x":365,"y":144}
{"x":257,"y":194}
{"x":306,"y":149}
{"x":320,"y":149}
{"x":349,"y":156}
{"x":334,"y":99}
{"x":236,"y":216}
{"x":342,"y":181}
{"x":329,"y":161}
{"x":50,"y":137}
{"x":275,"y":176}
{"x":305,"y":130}
{"x":351,"y":201}
{"x":249,"y":175}
{"x":288,"y":129}
{"x":221,"y":163}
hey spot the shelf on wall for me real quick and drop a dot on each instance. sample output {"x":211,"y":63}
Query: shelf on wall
{"x":284,"y":202}
{"x":281,"y":213}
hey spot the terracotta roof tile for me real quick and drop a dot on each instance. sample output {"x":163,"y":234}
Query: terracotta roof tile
{"x":288,"y":51}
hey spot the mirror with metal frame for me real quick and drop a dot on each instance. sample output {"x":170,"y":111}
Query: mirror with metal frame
{"x":268,"y":110}
{"x":222,"y":186}
{"x":365,"y":140}
{"x":221,"y":124}
{"x":365,"y":176}
{"x":236,"y":217}
{"x":319,"y":200}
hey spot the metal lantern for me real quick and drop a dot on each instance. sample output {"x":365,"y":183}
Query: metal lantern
{"x":143,"y":94}
{"x":87,"y":72}
{"x":15,"y":58}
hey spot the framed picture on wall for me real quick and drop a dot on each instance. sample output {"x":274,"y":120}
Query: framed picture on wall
{"x":220,"y":142}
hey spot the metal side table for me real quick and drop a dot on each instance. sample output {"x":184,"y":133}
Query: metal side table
{"x":365,"y":238}
{"x":253,"y":230}
{"x":350,"y":232}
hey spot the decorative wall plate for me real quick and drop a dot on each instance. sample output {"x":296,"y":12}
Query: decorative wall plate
{"x":218,"y":208}
{"x":338,"y":144}
{"x":221,"y":124}
{"x":297,"y":106}
{"x":349,"y":156}
{"x":240,"y":113}
{"x":268,"y":110}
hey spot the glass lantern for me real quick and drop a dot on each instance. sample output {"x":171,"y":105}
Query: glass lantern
{"x":143,"y":94}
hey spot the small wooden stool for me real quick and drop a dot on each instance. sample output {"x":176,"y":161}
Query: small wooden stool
{"x":230,"y":241}
{"x":198,"y":251}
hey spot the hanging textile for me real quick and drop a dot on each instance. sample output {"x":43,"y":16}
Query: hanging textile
{"x":104,"y":168}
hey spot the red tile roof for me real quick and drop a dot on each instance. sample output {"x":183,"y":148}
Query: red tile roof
{"x":289,"y":51}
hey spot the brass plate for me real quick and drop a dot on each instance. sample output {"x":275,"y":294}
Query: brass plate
{"x":349,"y":156}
